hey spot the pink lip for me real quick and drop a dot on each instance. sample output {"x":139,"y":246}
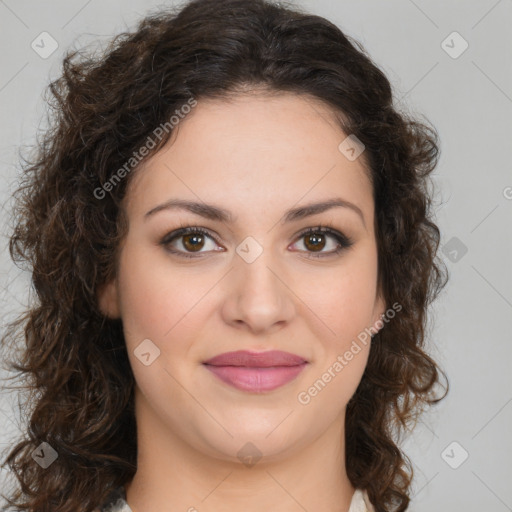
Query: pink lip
{"x":256,"y":371}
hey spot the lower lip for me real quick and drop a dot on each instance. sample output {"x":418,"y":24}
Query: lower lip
{"x":256,"y":379}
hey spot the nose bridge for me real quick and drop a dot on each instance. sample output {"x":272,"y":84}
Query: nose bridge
{"x":259,"y":276}
{"x":258,"y":297}
{"x":257,"y":280}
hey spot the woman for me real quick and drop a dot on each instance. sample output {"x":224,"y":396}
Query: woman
{"x":231,"y":242}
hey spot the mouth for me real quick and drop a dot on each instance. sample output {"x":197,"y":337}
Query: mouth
{"x":256,"y":372}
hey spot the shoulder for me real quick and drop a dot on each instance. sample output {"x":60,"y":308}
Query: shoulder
{"x":360,"y":502}
{"x":115,"y":502}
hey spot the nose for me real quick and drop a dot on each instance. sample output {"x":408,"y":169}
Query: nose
{"x":257,"y":297}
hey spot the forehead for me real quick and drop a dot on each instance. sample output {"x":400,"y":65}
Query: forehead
{"x":255,"y":153}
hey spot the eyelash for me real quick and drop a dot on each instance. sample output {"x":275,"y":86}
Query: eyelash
{"x":344,"y":241}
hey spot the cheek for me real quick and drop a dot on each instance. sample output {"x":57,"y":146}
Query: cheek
{"x":158,"y":301}
{"x":344,"y":298}
{"x":343,"y":346}
{"x":157,"y":304}
{"x":145,"y":300}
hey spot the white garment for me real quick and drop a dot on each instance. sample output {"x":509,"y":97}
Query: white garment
{"x":360,"y":502}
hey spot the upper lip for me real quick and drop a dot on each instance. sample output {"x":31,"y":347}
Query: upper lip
{"x":256,"y":359}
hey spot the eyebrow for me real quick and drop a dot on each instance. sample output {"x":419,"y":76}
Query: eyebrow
{"x":212,"y":212}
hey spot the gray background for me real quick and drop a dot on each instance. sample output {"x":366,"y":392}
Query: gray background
{"x":468,"y":99}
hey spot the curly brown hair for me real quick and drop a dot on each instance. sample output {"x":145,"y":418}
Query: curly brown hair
{"x":74,"y":363}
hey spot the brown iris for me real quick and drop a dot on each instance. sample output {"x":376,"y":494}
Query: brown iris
{"x":197,"y":241}
{"x":318,"y":241}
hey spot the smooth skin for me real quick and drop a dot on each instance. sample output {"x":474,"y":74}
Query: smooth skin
{"x":256,"y":155}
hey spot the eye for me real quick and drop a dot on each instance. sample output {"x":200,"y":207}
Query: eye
{"x":193,"y":239}
{"x":315,"y":240}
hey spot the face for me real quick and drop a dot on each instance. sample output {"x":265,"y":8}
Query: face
{"x":253,"y":281}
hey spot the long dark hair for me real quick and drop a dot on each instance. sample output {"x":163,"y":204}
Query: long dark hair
{"x":74,"y":363}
